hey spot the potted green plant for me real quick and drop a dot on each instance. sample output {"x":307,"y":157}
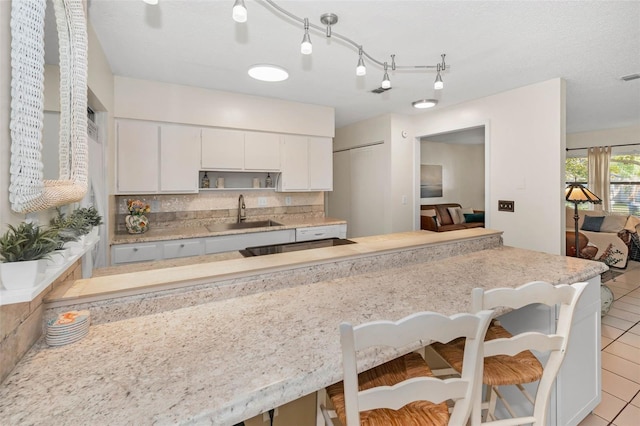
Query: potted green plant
{"x":23,"y":250}
{"x":69,"y":228}
{"x":91,"y":217}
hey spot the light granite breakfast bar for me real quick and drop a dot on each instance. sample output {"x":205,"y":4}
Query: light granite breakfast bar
{"x":227,"y":359}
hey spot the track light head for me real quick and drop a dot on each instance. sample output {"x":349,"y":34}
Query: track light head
{"x":306,"y":48}
{"x":386,"y":83}
{"x":239,"y":12}
{"x":361,"y":69}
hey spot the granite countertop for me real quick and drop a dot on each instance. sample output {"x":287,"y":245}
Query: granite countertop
{"x":222,"y":362}
{"x":155,"y":234}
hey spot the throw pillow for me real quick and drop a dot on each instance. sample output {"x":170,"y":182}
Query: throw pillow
{"x":463,"y":212}
{"x":592,"y":223}
{"x":614,"y":223}
{"x":455,"y":214}
{"x":430,"y":213}
{"x":474,"y":217}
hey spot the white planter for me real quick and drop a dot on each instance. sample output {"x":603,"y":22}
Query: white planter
{"x":22,"y":275}
{"x":92,"y":236}
{"x":58,"y":257}
{"x":75,"y":246}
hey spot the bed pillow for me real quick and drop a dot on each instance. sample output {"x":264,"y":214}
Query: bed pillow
{"x":614,"y":223}
{"x":592,"y":223}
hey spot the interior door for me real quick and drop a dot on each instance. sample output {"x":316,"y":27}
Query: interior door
{"x":367,"y":187}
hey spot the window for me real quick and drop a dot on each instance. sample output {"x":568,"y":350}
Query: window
{"x":624,"y":177}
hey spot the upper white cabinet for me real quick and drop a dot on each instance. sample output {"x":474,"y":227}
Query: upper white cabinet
{"x":306,"y":164}
{"x":239,"y":150}
{"x":179,"y":158}
{"x":155,"y":158}
{"x":222,"y":149}
{"x":137,"y":156}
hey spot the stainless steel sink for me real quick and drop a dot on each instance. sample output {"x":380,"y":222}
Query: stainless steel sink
{"x":218,"y":227}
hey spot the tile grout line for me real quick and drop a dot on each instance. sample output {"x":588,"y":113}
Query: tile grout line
{"x":622,"y":409}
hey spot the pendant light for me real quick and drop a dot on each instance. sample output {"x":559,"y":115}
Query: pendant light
{"x":438,"y":84}
{"x":306,"y":47}
{"x":239,"y":12}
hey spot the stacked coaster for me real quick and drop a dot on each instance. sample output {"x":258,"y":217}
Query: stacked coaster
{"x":69,"y":327}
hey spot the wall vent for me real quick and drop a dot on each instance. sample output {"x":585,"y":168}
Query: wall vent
{"x":380,"y":90}
{"x":630,"y":77}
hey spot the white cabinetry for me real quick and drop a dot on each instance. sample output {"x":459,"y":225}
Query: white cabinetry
{"x":156,"y":158}
{"x":128,"y":253}
{"x":179,"y":158}
{"x":137,"y":157}
{"x":239,"y":150}
{"x":307,"y":164}
{"x":321,"y":232}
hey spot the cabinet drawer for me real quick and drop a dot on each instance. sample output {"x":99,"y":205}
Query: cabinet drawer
{"x":182,"y":249}
{"x":321,"y":232}
{"x":137,"y":253}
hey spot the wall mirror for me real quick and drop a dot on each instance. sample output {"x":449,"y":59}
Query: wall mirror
{"x":28,"y":190}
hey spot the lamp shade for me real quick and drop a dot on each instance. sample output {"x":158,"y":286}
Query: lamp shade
{"x":577,"y":193}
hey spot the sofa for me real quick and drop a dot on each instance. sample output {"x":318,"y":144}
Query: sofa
{"x":439,"y":217}
{"x":609,"y":232}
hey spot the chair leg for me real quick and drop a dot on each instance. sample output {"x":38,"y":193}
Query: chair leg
{"x":321,"y":397}
{"x":491,"y":404}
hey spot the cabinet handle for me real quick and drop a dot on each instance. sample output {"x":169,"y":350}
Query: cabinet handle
{"x":181,"y":245}
{"x":135,"y":249}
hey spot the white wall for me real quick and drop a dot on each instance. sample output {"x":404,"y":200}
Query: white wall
{"x":462,"y":172}
{"x":150,"y":100}
{"x":606,"y":137}
{"x":525,"y":153}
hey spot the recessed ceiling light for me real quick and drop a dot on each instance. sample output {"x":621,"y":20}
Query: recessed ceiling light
{"x":267,"y":72}
{"x":425,"y":103}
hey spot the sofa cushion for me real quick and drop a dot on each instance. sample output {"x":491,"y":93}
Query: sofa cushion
{"x":592,"y":223}
{"x":454,"y":212}
{"x":613,"y":223}
{"x":474,"y":217}
{"x":443,"y":213}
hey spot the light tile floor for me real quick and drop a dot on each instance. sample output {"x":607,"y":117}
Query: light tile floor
{"x":620,"y":404}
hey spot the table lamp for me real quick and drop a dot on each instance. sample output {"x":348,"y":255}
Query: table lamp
{"x":576,"y":193}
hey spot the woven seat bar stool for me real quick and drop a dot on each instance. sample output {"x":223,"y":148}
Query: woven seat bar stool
{"x":508,"y":359}
{"x":403,"y":391}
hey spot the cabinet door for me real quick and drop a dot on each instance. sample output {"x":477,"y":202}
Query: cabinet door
{"x":261,"y":151}
{"x":179,"y":158}
{"x":222,"y":149}
{"x":294,"y":162}
{"x":137,"y":157}
{"x":320,"y":164}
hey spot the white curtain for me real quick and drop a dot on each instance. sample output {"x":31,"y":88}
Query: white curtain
{"x":599,"y":175}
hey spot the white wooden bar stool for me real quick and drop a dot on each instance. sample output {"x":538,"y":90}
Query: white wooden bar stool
{"x":403,"y":391}
{"x":508,"y":358}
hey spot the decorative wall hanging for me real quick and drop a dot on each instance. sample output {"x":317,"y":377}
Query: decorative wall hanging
{"x":28,"y":191}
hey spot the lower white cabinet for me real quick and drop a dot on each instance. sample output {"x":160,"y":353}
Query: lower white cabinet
{"x":241,"y":241}
{"x":182,"y":249}
{"x":128,"y":253}
{"x":321,"y":232}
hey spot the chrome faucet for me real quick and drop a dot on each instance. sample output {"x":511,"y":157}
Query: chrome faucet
{"x":241,"y":209}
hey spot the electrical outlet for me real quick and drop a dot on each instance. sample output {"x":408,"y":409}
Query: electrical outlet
{"x":262,"y":201}
{"x":155,"y":206}
{"x":287,"y":200}
{"x":265,"y":416}
{"x":404,"y":199}
{"x":506,"y":206}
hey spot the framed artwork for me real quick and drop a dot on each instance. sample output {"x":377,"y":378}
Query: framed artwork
{"x":430,"y":181}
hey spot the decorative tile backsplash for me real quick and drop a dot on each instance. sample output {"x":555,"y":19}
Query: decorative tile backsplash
{"x":204,"y":208}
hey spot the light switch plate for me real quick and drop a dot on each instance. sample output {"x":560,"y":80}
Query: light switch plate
{"x":287,"y":201}
{"x":506,"y":206}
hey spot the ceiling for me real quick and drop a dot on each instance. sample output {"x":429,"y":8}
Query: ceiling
{"x":491,"y":47}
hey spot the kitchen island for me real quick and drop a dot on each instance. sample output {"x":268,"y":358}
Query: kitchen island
{"x":227,"y":360}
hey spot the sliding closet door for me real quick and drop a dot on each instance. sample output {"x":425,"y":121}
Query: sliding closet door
{"x":367,"y":191}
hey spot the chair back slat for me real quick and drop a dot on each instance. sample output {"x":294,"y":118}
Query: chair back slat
{"x":396,"y":397}
{"x":531,"y":340}
{"x":527,"y":294}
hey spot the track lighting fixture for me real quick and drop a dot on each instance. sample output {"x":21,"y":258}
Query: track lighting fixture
{"x":306,"y":47}
{"x":239,"y":13}
{"x":361,"y":69}
{"x":329,"y":19}
{"x":438,"y":85}
{"x":386,"y":83}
